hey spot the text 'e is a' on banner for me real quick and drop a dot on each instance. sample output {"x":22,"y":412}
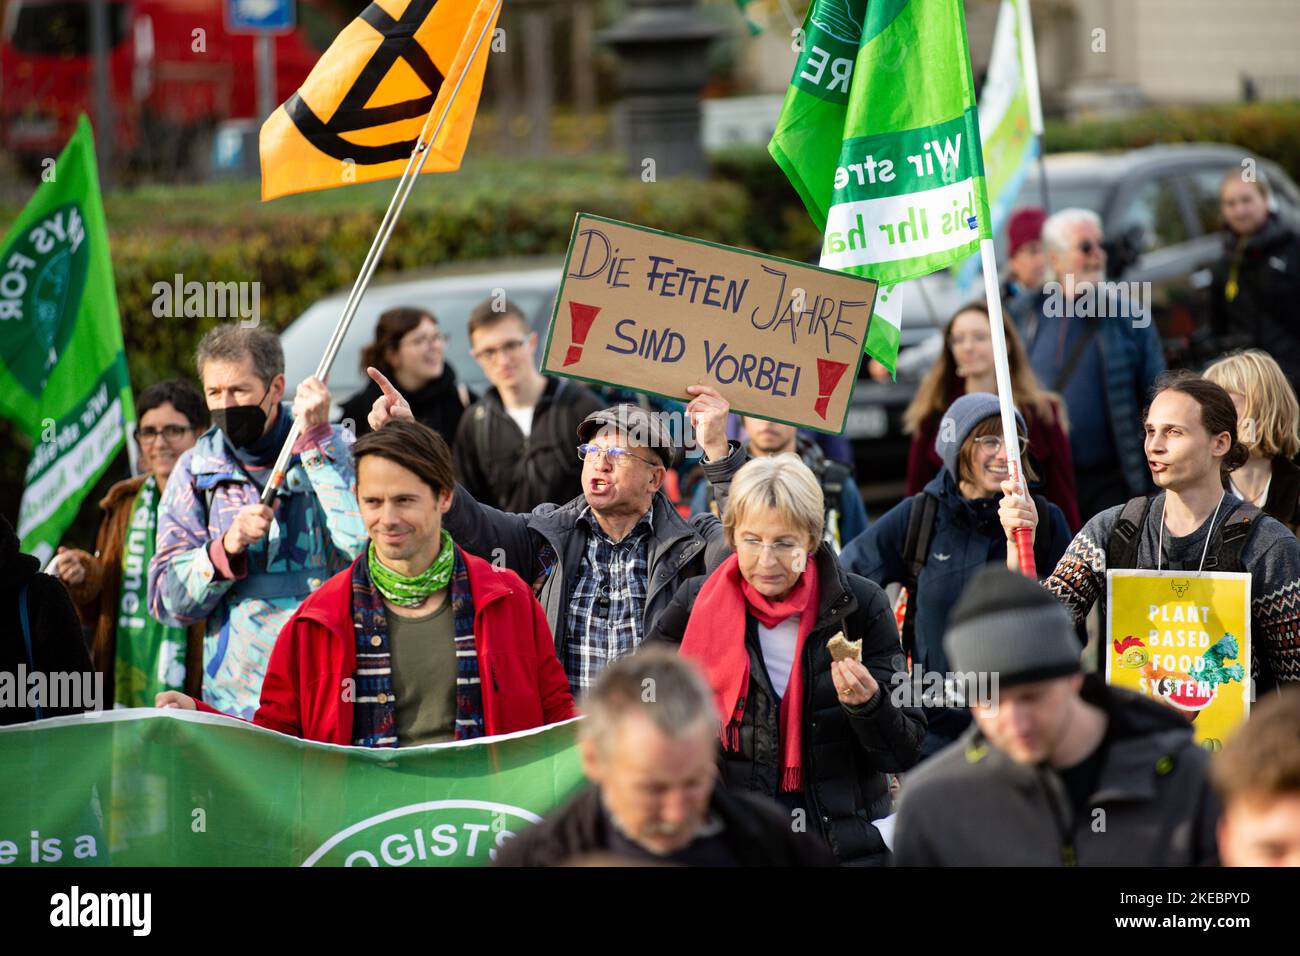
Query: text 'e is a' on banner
{"x":655,"y":312}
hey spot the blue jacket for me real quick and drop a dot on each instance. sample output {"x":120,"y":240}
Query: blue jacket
{"x":1132,"y":357}
{"x":967,"y":535}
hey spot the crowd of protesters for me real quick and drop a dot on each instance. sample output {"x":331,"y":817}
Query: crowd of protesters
{"x":442,"y":566}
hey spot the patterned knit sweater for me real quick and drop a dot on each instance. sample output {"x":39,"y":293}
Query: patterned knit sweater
{"x":1271,"y":555}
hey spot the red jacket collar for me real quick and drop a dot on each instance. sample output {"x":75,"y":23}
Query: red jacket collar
{"x":331,"y":605}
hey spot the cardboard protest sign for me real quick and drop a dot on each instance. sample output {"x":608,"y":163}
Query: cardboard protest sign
{"x":1184,"y":638}
{"x":654,"y":312}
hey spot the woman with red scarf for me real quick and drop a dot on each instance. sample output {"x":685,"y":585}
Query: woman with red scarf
{"x":820,"y":736}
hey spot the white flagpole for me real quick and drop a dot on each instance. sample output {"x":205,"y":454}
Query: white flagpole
{"x":1002,"y":371}
{"x":414,"y":166}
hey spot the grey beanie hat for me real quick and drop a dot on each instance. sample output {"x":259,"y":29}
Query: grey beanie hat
{"x":958,"y":421}
{"x":1007,"y":624}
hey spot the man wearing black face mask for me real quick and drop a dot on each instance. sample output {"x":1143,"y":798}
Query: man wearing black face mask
{"x":221,"y":555}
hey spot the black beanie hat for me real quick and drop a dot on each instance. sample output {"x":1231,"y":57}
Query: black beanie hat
{"x":1008,"y":624}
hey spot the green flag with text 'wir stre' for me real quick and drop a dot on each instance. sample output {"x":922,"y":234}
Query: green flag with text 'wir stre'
{"x":879,"y":134}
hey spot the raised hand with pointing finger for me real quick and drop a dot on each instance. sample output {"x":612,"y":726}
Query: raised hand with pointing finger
{"x":390,"y":406}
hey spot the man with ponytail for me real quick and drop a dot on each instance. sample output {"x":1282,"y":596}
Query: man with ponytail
{"x":1192,"y":524}
{"x":418,"y":642}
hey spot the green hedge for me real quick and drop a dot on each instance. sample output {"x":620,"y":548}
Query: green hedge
{"x":1271,"y":130}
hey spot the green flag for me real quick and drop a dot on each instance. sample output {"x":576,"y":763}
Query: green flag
{"x":63,"y":377}
{"x":880,"y":136}
{"x":174,"y":788}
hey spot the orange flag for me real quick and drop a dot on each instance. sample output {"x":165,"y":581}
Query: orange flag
{"x":357,"y":116}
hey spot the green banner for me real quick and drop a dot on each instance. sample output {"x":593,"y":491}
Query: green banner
{"x":63,"y":375}
{"x":176,"y":788}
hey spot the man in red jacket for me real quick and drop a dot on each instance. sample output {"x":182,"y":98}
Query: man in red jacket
{"x":418,"y":642}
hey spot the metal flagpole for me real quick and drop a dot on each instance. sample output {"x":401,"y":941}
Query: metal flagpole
{"x":1002,"y":370}
{"x":414,"y":165}
{"x":1029,"y":70}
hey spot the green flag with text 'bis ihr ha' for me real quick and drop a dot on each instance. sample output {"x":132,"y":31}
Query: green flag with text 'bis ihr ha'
{"x":880,"y":137}
{"x":63,"y":377}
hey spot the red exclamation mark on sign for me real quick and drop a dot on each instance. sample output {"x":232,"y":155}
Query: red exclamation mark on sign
{"x":580,"y":317}
{"x":828,"y":376}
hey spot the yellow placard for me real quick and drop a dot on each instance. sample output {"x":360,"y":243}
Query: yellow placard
{"x":1183,"y":638}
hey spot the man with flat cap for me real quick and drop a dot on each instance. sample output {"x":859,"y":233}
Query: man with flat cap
{"x":1058,"y":769}
{"x":606,"y":563}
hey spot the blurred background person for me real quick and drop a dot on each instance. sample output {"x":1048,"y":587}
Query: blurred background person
{"x":39,"y":630}
{"x":514,"y":446}
{"x":138,"y":655}
{"x":1101,"y":367}
{"x":965,"y":366}
{"x":1026,"y":264}
{"x":846,"y":515}
{"x":1257,"y":776}
{"x":1268,"y":424}
{"x":1256,"y":283}
{"x":758,"y":626}
{"x":936,"y":541}
{"x":649,"y":744}
{"x":410,"y":348}
{"x":1051,"y":753}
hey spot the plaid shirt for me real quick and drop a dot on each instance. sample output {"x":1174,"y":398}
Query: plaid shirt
{"x":608,"y":601}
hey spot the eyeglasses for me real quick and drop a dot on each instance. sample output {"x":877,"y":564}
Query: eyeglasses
{"x":993,"y":443}
{"x":170,"y":432}
{"x":434,"y":338}
{"x":617,"y":456}
{"x":1087,"y":246}
{"x":782,"y":550}
{"x":506,"y":349}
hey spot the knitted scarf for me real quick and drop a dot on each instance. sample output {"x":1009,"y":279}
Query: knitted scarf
{"x":374,"y":716}
{"x":412,"y":591}
{"x":715,"y":639}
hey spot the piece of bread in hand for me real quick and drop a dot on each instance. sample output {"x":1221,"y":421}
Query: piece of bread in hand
{"x":842,"y":649}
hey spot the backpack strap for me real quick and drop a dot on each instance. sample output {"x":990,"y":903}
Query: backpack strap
{"x":27,"y":635}
{"x":1122,"y":548}
{"x":916,"y":547}
{"x":1230,"y":539}
{"x":834,"y":475}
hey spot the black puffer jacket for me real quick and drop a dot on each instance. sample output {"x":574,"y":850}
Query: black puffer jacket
{"x":848,"y":751}
{"x":1262,"y":313}
{"x":58,"y":645}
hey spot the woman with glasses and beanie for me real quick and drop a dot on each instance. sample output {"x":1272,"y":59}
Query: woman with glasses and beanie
{"x":410,"y":349}
{"x":934,"y":542}
{"x":807,"y":718}
{"x":137,"y":655}
{"x":966,"y":365}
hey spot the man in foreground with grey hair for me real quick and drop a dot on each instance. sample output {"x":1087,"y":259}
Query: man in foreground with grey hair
{"x":1092,"y":341}
{"x":649,"y":747}
{"x":1058,"y":769}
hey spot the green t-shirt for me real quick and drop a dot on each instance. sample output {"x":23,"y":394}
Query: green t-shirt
{"x":424,"y":676}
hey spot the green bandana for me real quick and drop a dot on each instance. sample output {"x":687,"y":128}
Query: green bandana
{"x":410,"y":592}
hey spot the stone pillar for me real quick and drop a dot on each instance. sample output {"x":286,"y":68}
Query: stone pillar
{"x":663,"y":46}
